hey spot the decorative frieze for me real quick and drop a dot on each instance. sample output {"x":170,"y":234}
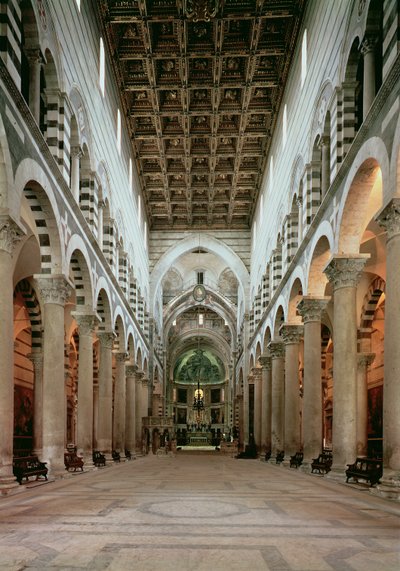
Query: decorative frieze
{"x":345,"y":271}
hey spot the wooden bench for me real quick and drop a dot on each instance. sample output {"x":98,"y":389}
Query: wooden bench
{"x":98,"y":458}
{"x":280,"y":455}
{"x":116,"y":456}
{"x":128,"y":454}
{"x":26,"y":466}
{"x":72,"y":461}
{"x":296,"y":460}
{"x":365,"y":469}
{"x":323,"y":463}
{"x":267,"y":455}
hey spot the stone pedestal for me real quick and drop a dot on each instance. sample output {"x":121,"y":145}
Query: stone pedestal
{"x":265,"y":363}
{"x":291,"y":334}
{"x":104,"y":436}
{"x":344,"y":272}
{"x":277,"y":352}
{"x":311,"y":308}
{"x":10,"y":234}
{"x":54,"y":292}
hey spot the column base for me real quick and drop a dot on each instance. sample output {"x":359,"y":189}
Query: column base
{"x":389,"y":486}
{"x":9,"y":485}
{"x":336,"y":473}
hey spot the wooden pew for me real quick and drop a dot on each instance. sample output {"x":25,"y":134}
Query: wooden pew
{"x":365,"y":469}
{"x":296,"y":460}
{"x":72,"y":461}
{"x":323,"y":463}
{"x":26,"y":466}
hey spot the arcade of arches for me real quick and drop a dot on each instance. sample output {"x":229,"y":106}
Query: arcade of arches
{"x":222,"y":266}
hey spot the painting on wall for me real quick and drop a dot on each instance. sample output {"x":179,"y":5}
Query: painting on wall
{"x":375,"y":412}
{"x":23,"y":411}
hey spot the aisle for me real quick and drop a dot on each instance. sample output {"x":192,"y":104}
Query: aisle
{"x":198,"y":513}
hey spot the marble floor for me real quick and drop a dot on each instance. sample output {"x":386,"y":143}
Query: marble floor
{"x":198,"y":513}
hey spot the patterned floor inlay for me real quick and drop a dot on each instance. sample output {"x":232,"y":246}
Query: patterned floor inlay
{"x":198,"y":513}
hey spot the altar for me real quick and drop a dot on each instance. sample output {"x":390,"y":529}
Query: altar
{"x":199,"y":438}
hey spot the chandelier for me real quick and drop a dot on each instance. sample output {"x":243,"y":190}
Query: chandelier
{"x":198,"y":401}
{"x":201,"y":10}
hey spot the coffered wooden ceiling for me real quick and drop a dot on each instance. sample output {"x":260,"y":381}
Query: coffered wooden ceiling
{"x":201,"y":98}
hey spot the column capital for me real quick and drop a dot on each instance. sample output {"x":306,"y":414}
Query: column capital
{"x":365,"y":359}
{"x":389,"y":217}
{"x":76,"y":151}
{"x":37,"y":359}
{"x":291,"y":333}
{"x":265,"y":362}
{"x":106,"y":339}
{"x":130,"y":370}
{"x":53,"y":288}
{"x":121,"y":356}
{"x":324,"y":141}
{"x":145,"y":381}
{"x":139,"y":376}
{"x":345,"y":270}
{"x":86,"y":322}
{"x":257,"y":372}
{"x":34,"y":55}
{"x":276,"y":349}
{"x":368,"y":44}
{"x":10,"y":234}
{"x":311,"y":308}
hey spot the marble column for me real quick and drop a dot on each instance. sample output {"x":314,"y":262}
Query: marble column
{"x":311,"y":308}
{"x":138,"y":409}
{"x":35,"y":66}
{"x":54,"y":292}
{"x":239,"y":404}
{"x":364,"y":361}
{"x":145,"y":397}
{"x":76,"y":153}
{"x":119,"y":403}
{"x":344,"y":273}
{"x":389,"y":218}
{"x":37,"y":359}
{"x":265,"y":362}
{"x":86,"y":324}
{"x":291,"y":334}
{"x":325,"y":164}
{"x":104,"y":436}
{"x":10,"y":234}
{"x":130,"y":427}
{"x":368,"y":51}
{"x":257,"y":376}
{"x":277,"y":352}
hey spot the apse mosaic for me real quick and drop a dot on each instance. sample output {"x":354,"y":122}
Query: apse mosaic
{"x":199,"y":365}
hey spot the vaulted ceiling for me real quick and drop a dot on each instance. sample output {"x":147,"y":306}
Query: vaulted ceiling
{"x":201,"y":92}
